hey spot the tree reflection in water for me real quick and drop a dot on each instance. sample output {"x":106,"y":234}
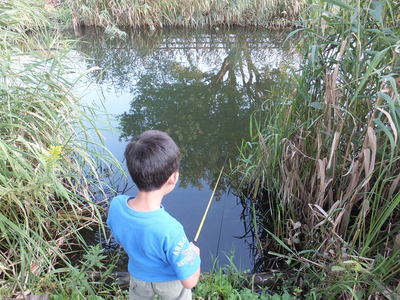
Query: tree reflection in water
{"x":200,"y":87}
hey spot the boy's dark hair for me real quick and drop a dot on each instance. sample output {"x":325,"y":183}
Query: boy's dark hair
{"x":151,"y":159}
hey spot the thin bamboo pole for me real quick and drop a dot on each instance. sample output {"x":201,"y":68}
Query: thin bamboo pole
{"x":208,"y":207}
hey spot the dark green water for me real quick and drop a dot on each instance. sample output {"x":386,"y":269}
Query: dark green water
{"x":202,"y":88}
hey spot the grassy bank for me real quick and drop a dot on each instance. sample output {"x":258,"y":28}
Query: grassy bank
{"x":48,"y":175}
{"x":230,"y":283}
{"x":322,"y":170}
{"x":191,"y":13}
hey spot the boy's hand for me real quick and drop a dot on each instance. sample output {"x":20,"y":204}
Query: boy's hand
{"x":192,"y":280}
{"x":195,"y":248}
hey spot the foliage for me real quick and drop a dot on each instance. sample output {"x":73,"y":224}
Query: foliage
{"x":22,"y":14}
{"x":323,"y":162}
{"x":230,"y":283}
{"x":92,"y":279}
{"x":48,"y":172}
{"x":192,"y":13}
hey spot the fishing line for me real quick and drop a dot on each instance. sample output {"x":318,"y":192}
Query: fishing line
{"x":220,"y":227}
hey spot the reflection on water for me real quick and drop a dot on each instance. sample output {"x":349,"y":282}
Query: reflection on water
{"x":201,"y":88}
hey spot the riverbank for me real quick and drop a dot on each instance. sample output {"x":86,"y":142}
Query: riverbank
{"x":191,"y":13}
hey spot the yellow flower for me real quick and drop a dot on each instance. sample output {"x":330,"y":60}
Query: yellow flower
{"x":55,"y":152}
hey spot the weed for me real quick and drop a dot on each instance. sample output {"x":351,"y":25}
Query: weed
{"x":230,"y":283}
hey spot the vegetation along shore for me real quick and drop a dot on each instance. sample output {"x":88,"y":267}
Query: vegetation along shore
{"x":321,"y":174}
{"x":190,"y":13}
{"x":319,"y":178}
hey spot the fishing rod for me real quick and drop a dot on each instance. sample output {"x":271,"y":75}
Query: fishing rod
{"x":208,"y":206}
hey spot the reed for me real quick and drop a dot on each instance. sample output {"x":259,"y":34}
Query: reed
{"x":192,"y":13}
{"x":48,"y":175}
{"x":325,"y":160}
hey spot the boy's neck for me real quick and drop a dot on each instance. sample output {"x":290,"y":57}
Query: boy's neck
{"x":147,"y":201}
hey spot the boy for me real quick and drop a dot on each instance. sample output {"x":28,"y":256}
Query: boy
{"x":161,"y":259}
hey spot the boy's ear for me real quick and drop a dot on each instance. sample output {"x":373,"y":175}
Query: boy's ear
{"x":173,"y":179}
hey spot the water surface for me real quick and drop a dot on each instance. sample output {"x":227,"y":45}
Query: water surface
{"x":201,"y":87}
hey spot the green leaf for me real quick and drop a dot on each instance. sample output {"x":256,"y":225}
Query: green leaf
{"x":314,"y":54}
{"x":294,"y":32}
{"x":388,"y":133}
{"x":377,"y":224}
{"x":377,"y":11}
{"x":371,"y":68}
{"x":339,"y":3}
{"x":392,"y":106}
{"x":317,"y":105}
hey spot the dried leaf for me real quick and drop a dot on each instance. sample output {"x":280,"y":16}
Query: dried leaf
{"x":296,"y":225}
{"x":394,"y":186}
{"x":369,"y":155}
{"x":367,"y":160}
{"x":355,"y":176}
{"x":335,"y":144}
{"x":396,"y":245}
{"x":338,"y":269}
{"x":391,"y":123}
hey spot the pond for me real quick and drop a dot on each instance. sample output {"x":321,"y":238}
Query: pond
{"x":202,"y":88}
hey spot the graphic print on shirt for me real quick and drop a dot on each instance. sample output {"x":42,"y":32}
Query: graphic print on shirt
{"x":185,"y":251}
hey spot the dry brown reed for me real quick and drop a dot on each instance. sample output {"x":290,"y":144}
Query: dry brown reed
{"x":333,"y":166}
{"x":191,"y":13}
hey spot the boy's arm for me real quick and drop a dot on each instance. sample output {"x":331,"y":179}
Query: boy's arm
{"x":184,"y":258}
{"x":192,"y":280}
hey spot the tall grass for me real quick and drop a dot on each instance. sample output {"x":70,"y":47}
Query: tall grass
{"x":47,"y":173}
{"x":191,"y":13}
{"x":325,"y":159}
